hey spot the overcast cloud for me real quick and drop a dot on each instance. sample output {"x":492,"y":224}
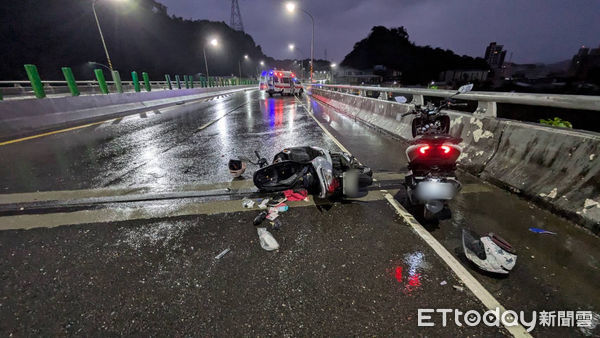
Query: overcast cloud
{"x":533,"y":30}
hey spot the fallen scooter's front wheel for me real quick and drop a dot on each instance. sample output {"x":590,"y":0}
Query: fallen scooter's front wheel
{"x":428,"y":215}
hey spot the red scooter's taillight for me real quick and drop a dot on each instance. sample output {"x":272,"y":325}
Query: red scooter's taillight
{"x":433,"y":153}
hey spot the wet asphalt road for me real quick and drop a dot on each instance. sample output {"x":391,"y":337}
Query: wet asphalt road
{"x":161,"y":148}
{"x":334,"y":273}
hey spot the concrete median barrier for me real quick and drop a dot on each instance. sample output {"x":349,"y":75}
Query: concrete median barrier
{"x":24,"y":117}
{"x":555,"y":167}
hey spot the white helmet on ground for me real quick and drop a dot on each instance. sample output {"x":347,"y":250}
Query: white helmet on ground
{"x":490,"y":253}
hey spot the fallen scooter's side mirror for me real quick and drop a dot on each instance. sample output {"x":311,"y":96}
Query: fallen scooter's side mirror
{"x":465,"y":89}
{"x":400,"y":99}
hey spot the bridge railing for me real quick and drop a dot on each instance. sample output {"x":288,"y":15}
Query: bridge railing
{"x":486,"y":101}
{"x":39,"y":88}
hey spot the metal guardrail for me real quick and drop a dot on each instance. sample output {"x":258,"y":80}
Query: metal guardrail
{"x":11,"y":90}
{"x":86,"y":82}
{"x":486,"y":100}
{"x":38,"y":87}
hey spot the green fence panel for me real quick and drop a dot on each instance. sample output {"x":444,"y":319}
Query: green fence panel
{"x":101,"y":81}
{"x":146,"y":81}
{"x":68,"y":73}
{"x":117,"y":81}
{"x":36,"y":82}
{"x":168,"y":79}
{"x":136,"y":81}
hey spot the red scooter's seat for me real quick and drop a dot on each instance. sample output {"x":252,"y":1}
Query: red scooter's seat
{"x":435,"y":139}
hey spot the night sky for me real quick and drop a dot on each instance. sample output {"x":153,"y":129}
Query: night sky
{"x":533,"y":30}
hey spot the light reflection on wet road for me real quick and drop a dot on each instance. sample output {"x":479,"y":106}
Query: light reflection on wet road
{"x":159,"y":150}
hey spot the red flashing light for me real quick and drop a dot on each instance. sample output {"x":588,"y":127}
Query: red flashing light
{"x":446,"y":149}
{"x":423,"y":149}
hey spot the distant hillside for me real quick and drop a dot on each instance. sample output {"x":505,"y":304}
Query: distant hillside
{"x":393,"y":49}
{"x":139,"y":33}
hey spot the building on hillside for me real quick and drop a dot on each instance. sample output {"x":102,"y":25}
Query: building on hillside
{"x":494,"y":55}
{"x":388,"y":75}
{"x":464,"y":75}
{"x":584,"y":61}
{"x":355,"y":77}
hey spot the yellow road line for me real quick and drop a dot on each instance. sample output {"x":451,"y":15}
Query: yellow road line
{"x":52,"y":132}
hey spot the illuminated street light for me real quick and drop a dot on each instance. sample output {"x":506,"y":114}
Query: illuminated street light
{"x":246,"y":56}
{"x":102,"y":35}
{"x":333,"y":65}
{"x":291,"y":46}
{"x":213,"y":42}
{"x":262,"y":63}
{"x":291,"y":8}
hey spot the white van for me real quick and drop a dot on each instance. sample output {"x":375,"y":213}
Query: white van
{"x":277,"y":82}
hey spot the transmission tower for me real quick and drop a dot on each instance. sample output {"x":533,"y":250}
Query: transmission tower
{"x":236,"y":17}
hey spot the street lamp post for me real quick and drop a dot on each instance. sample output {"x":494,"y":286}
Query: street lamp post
{"x":292,"y":47}
{"x":240,"y":64}
{"x":262,"y":64}
{"x":214,"y":42}
{"x":291,"y":7}
{"x":101,"y":35}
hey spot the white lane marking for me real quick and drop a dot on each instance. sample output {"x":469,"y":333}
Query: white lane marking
{"x":465,"y":276}
{"x":473,"y":284}
{"x":206,"y":125}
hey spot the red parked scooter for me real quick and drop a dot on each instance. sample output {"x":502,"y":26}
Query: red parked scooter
{"x":432,"y":156}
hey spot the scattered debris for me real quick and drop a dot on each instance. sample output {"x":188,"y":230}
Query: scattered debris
{"x":459,"y":288}
{"x":223,"y":253}
{"x":263,"y":203}
{"x":236,"y":168}
{"x":275,"y":225}
{"x":248,"y":203}
{"x":260,"y":218}
{"x":296,"y":195}
{"x":273,"y":213}
{"x":443,"y":282}
{"x":276,"y":200}
{"x":267,"y":241}
{"x":282,"y":208}
{"x":541,"y":231}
